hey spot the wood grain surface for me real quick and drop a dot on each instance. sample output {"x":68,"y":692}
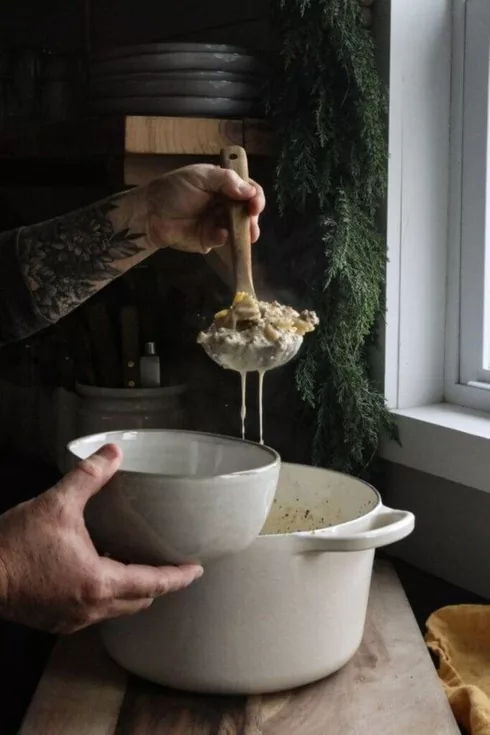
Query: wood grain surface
{"x":194,"y":136}
{"x":389,"y":688}
{"x":174,"y":135}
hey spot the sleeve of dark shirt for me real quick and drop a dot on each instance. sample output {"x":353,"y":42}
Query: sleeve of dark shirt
{"x":19,"y":316}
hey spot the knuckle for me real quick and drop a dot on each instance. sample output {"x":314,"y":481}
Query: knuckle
{"x":91,"y":468}
{"x":171,"y":583}
{"x":230,"y":178}
{"x":166,"y":583}
{"x":163,"y":588}
{"x":95,"y":590}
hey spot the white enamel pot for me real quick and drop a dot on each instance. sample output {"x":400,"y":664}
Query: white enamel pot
{"x":287,"y":611}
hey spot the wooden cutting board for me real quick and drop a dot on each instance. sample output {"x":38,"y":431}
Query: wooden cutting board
{"x":389,"y":688}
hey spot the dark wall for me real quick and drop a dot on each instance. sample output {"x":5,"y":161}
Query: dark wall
{"x":51,"y":23}
{"x":114,"y":22}
{"x":63,"y":24}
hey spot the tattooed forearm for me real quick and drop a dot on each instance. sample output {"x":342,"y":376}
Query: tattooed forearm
{"x":66,"y":260}
{"x":50,"y":268}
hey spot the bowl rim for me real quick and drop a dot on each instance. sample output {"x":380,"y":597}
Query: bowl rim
{"x":275,"y":456}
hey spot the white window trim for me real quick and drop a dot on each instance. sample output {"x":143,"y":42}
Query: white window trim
{"x":443,"y":439}
{"x":472,"y":196}
{"x":467,"y":222}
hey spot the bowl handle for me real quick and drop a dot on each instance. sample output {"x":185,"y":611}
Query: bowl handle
{"x":387,"y":527}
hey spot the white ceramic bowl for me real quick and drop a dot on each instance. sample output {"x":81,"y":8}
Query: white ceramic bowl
{"x":180,"y":496}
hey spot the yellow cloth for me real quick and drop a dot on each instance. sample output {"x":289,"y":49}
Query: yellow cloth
{"x":459,"y":636}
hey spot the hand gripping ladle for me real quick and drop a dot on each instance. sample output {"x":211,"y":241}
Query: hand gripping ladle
{"x":259,"y":355}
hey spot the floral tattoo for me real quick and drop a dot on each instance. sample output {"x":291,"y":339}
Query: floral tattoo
{"x":66,"y":260}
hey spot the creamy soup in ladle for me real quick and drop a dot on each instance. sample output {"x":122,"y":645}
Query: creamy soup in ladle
{"x":252,"y":335}
{"x":255,"y":336}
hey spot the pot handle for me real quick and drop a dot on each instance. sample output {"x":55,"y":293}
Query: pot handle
{"x":388,"y":526}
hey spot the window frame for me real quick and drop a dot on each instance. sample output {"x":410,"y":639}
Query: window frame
{"x":417,"y":202}
{"x":440,"y":431}
{"x":467,"y":383}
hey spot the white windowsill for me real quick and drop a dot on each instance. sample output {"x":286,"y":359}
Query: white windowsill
{"x":444,"y":440}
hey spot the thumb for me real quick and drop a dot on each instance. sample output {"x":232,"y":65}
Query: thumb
{"x":229,"y":183}
{"x":91,"y":474}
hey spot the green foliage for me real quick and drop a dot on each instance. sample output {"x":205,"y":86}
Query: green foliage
{"x":328,"y":105}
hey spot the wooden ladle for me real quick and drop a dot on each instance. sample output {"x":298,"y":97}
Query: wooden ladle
{"x":261,"y":354}
{"x":235,"y":158}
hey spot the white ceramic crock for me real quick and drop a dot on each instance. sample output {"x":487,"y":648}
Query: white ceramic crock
{"x":285,"y":612}
{"x":120,"y":409}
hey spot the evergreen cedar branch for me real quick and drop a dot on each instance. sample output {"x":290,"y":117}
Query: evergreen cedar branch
{"x":328,"y":105}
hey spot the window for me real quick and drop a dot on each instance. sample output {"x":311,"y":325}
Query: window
{"x":437,"y":336}
{"x":468,"y":347}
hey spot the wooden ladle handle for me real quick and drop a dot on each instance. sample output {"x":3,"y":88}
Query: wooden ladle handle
{"x":235,"y":158}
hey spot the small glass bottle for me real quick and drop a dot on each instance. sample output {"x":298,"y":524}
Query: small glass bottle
{"x":150,"y":367}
